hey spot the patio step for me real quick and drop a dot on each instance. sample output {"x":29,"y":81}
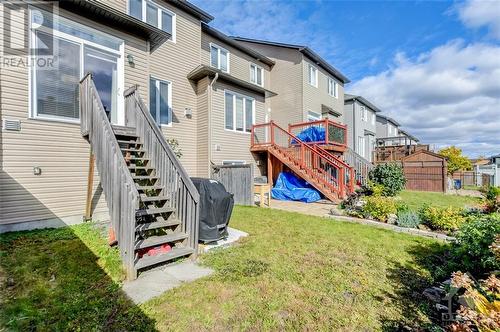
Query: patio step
{"x":146,"y":261}
{"x":157,"y":240}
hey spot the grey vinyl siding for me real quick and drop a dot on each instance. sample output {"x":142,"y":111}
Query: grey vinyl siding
{"x":239,"y":62}
{"x":314,"y":97}
{"x":356,"y":127}
{"x":233,"y":145}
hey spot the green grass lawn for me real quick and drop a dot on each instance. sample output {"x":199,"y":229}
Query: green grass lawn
{"x":293,"y":272}
{"x":415,"y":199}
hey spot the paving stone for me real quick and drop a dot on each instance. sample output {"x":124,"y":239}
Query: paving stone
{"x":187,"y":271}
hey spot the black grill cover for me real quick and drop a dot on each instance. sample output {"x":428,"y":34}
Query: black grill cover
{"x":216,"y":206}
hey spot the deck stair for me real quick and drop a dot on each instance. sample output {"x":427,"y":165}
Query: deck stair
{"x":152,"y":201}
{"x":323,"y":170}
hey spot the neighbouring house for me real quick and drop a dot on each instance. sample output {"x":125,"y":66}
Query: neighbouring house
{"x":308,"y":88}
{"x":408,"y":138}
{"x":360,"y":118}
{"x":386,"y":126}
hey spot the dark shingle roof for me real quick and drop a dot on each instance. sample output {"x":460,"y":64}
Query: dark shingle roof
{"x":348,"y":97}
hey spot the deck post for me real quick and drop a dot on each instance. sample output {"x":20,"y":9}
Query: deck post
{"x":269,"y":169}
{"x":90,"y":186}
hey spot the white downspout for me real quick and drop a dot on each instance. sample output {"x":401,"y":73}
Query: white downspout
{"x":210,"y":122}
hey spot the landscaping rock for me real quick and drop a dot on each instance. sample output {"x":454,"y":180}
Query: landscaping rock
{"x":392,"y":219}
{"x":336,"y":212}
{"x":434,"y":294}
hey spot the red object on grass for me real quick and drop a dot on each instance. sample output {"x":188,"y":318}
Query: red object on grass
{"x":154,"y":251}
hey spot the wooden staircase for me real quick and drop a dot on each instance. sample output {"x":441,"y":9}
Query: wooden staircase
{"x":323,"y":170}
{"x":151,"y":200}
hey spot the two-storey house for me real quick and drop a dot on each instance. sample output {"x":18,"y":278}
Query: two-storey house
{"x":308,"y":88}
{"x":360,"y":117}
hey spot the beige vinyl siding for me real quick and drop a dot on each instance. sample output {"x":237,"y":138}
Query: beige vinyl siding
{"x":233,"y":145}
{"x":314,"y":97}
{"x":173,"y":62}
{"x":239,"y":62}
{"x":202,"y":128}
{"x":286,"y":81}
{"x":56,"y":147}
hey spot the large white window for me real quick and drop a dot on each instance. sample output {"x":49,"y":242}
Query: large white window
{"x":74,"y":50}
{"x":361,"y":148}
{"x":239,"y":112}
{"x":256,"y":74}
{"x":219,"y":58}
{"x":373,"y":119}
{"x":151,"y":13}
{"x":160,"y":101}
{"x":313,"y":76}
{"x":333,"y":89}
{"x":313,"y":116}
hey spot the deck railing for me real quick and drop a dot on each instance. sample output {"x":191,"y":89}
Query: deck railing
{"x":316,"y":162}
{"x":172,"y":176}
{"x":335,"y":133}
{"x":118,"y":186}
{"x":361,"y":166}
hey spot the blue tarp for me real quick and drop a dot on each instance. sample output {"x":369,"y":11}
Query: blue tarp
{"x":311,"y":134}
{"x":289,"y":187}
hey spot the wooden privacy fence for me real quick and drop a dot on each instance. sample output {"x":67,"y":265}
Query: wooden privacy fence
{"x":238,"y":180}
{"x":425,"y":171}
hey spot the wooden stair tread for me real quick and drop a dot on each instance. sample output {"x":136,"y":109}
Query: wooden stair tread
{"x":136,"y":158}
{"x":145,"y":212}
{"x":144,"y":177}
{"x":160,"y":223}
{"x":139,"y":187}
{"x":145,"y":198}
{"x":157,"y":240}
{"x":135,"y":167}
{"x":132,"y":150}
{"x":153,"y":260}
{"x":131,"y":142}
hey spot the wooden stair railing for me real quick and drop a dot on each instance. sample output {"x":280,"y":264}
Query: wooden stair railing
{"x":362,"y":166}
{"x":173,"y":176}
{"x":320,"y":168}
{"x":151,"y":199}
{"x":118,"y":186}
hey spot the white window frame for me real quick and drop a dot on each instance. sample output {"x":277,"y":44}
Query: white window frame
{"x":234,"y":130}
{"x":120,"y":67}
{"x":333,"y":88}
{"x":254,"y":79}
{"x":311,"y":116}
{"x":373,"y":119}
{"x":219,"y":48}
{"x":364,"y":113}
{"x":169,"y":104}
{"x":159,"y":8}
{"x":310,"y":68}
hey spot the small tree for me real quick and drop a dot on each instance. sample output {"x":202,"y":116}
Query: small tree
{"x":456,"y":161}
{"x":390,"y":176}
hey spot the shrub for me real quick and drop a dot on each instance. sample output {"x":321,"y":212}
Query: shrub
{"x":492,"y":198}
{"x":446,"y":219}
{"x":378,"y":207}
{"x":475,"y":244}
{"x":390,"y":176}
{"x":409,"y":219}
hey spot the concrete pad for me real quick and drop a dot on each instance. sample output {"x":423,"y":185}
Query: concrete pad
{"x":149,"y":284}
{"x":233,"y":236}
{"x":187,"y":271}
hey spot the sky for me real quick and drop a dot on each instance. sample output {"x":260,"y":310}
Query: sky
{"x":434,"y":66}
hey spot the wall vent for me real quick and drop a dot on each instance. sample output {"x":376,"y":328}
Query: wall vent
{"x":11,"y":125}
